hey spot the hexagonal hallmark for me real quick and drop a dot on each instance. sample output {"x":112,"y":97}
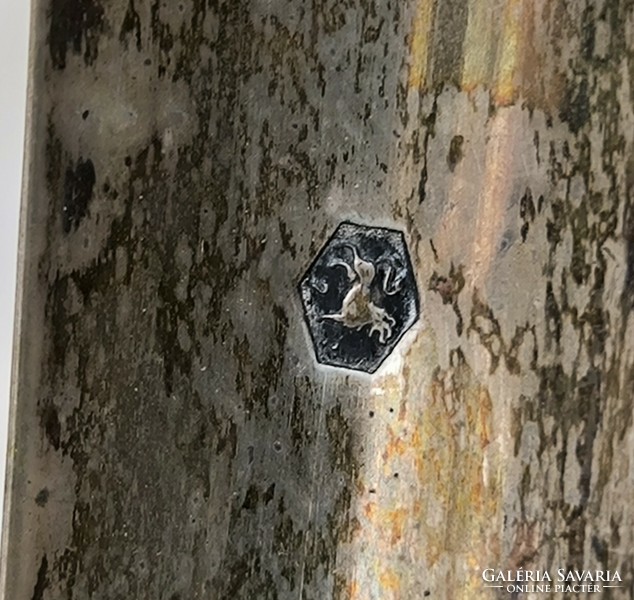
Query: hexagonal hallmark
{"x":359,"y":296}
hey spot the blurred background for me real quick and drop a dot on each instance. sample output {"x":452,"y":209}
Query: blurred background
{"x":14,"y":29}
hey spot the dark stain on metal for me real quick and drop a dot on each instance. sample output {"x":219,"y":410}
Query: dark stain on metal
{"x":455,"y":154}
{"x":449,"y":289}
{"x":42,"y":580}
{"x":78,"y":189}
{"x":75,"y":25}
{"x":42,"y":497}
{"x":487,"y":327}
{"x":527,"y":212}
{"x":450,"y":27}
{"x":359,"y":296}
{"x":429,"y":122}
{"x":49,"y":420}
{"x":576,"y":105}
{"x":131,"y":24}
{"x":627,"y":296}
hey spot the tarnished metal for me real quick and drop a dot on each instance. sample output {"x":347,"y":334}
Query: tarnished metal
{"x":173,"y":436}
{"x":360,"y":284}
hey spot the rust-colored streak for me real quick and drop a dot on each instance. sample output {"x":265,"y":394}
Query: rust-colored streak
{"x":504,"y":49}
{"x":509,"y":49}
{"x":478,"y":45}
{"x":434,"y":490}
{"x":452,"y":448}
{"x":353,"y":590}
{"x":389,"y":581}
{"x":396,"y":446}
{"x":397,"y":520}
{"x":420,"y":44}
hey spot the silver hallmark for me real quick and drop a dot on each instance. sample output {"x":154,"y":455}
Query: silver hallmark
{"x":359,"y":296}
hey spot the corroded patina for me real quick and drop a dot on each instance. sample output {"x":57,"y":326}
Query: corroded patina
{"x":172,"y":435}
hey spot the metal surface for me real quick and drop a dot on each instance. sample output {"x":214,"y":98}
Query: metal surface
{"x":173,"y":437}
{"x":359,"y":297}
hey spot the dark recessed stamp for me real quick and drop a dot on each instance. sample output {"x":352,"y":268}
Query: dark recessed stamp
{"x":359,"y":296}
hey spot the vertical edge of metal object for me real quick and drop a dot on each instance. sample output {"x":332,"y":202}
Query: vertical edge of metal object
{"x":18,"y":345}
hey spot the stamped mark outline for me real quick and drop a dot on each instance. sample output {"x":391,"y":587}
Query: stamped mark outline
{"x":359,"y":296}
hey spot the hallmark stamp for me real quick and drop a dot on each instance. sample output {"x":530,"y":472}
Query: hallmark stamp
{"x":359,"y":296}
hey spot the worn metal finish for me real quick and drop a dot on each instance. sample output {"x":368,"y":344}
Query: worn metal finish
{"x":173,"y":437}
{"x":360,"y":284}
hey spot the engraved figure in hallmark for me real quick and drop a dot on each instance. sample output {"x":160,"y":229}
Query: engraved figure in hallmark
{"x":357,"y":309}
